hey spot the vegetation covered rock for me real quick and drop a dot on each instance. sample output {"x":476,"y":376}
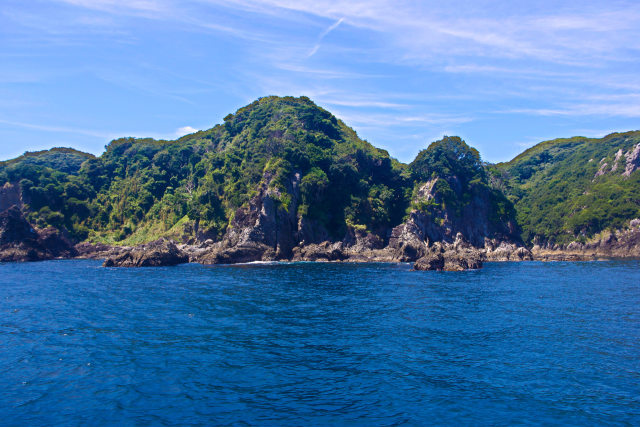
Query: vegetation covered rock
{"x":20,"y":241}
{"x":284,"y":179}
{"x":571,"y":190}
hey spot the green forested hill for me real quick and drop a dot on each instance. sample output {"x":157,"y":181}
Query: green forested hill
{"x":66,"y":160}
{"x":140,"y":189}
{"x":571,"y":189}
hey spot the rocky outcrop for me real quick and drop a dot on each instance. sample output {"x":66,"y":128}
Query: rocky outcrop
{"x":325,"y":251}
{"x":632,"y":159}
{"x":408,"y":241}
{"x":245,"y":252}
{"x":495,"y":250}
{"x":10,"y":195}
{"x":20,"y":241}
{"x":86,"y":250}
{"x":623,"y":243}
{"x":457,"y":257}
{"x":438,"y":236}
{"x":161,"y":252}
{"x":266,"y":229}
{"x":629,"y":160}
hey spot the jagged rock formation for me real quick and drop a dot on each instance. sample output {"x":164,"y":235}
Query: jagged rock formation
{"x":325,"y":251}
{"x":496,"y":250}
{"x":161,"y":252}
{"x":455,"y":212}
{"x":459,"y":256}
{"x":19,"y":241}
{"x":631,"y":162}
{"x":263,"y":230}
{"x":98,"y":251}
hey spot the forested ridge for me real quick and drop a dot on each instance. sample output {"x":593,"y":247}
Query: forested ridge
{"x":141,"y":189}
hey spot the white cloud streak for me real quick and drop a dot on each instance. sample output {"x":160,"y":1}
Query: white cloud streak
{"x":185,"y":130}
{"x":323,"y":35}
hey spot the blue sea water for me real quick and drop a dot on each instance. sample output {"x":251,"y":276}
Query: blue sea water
{"x":319,"y":344}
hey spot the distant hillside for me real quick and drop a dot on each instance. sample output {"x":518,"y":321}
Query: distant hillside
{"x":571,"y":189}
{"x":65,"y":160}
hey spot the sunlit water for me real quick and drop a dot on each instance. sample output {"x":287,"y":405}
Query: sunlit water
{"x":319,"y":344}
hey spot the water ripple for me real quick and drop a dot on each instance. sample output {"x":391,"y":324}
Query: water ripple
{"x":304,"y":343}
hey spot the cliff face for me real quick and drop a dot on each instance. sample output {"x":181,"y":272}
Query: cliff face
{"x":10,"y":195}
{"x":454,"y":205}
{"x":265,"y":229}
{"x":19,"y":241}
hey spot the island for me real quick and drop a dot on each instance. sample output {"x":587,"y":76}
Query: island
{"x":284,"y":179}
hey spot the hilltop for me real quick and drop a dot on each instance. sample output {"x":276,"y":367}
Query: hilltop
{"x":571,"y":189}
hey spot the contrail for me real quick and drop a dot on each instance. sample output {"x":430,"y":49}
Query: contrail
{"x":323,"y":35}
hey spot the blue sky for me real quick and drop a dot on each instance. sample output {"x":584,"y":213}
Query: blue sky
{"x":503,"y":75}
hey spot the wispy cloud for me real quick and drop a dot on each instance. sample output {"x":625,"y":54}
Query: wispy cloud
{"x":402,"y":68}
{"x":323,"y":35}
{"x":57,"y":129}
{"x":386,"y":119}
{"x":185,"y":130}
{"x":367,"y":102}
{"x":629,"y":110}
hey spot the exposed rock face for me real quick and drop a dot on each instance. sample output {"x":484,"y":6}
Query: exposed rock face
{"x":247,"y":252}
{"x":265,"y":230}
{"x":408,"y":240}
{"x":10,"y":195}
{"x":431,"y":261}
{"x":87,"y":250}
{"x":505,"y":251}
{"x":442,"y":238}
{"x":325,"y":251}
{"x":412,"y":238}
{"x":456,"y":257}
{"x":161,"y":252}
{"x":19,"y":241}
{"x":632,"y":161}
{"x":623,"y":243}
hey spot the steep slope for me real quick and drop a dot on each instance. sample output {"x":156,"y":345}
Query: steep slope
{"x":316,"y":174}
{"x":66,"y":160}
{"x":453,"y":202}
{"x":47,"y":186}
{"x":572,"y":189}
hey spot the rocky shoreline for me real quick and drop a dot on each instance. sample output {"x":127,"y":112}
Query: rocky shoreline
{"x":249,"y":240}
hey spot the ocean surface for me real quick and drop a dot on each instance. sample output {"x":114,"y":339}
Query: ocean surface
{"x":319,"y":344}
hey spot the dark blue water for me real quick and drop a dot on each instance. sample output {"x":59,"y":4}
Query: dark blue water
{"x":301,"y":344}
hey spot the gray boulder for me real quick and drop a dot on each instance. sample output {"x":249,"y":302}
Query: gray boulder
{"x":161,"y":252}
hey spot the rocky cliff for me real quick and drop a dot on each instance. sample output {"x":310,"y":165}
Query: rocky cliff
{"x":20,"y":241}
{"x":454,"y":211}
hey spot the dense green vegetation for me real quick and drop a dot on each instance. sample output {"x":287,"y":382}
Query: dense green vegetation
{"x":140,"y":189}
{"x":461,"y":178}
{"x":557,"y":195}
{"x":50,"y":185}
